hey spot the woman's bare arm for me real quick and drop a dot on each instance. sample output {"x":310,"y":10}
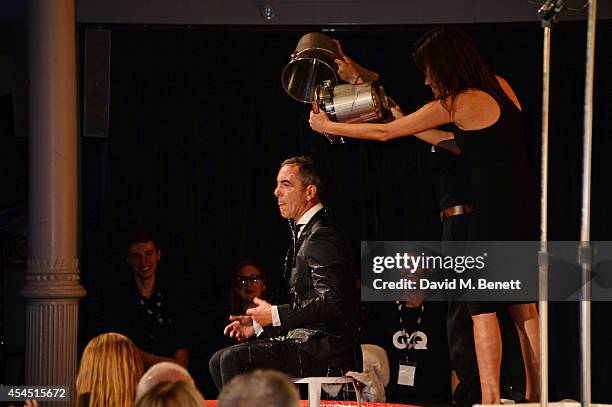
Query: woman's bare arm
{"x":428,"y":117}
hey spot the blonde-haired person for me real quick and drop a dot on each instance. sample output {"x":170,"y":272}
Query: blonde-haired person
{"x":172,"y":394}
{"x":109,"y":371}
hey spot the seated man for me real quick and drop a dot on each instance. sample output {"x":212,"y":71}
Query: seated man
{"x":147,"y":309}
{"x":315,"y":334}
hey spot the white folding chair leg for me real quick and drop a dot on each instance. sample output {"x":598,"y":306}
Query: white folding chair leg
{"x":314,"y":394}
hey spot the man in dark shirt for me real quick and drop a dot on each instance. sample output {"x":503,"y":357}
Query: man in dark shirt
{"x":414,"y":337}
{"x":147,"y":309}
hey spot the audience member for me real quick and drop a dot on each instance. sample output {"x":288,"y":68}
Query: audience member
{"x":109,"y":371}
{"x":172,"y":394}
{"x":163,"y":372}
{"x":261,"y":388}
{"x":149,"y":308}
{"x":248,"y":281}
{"x":414,"y":337}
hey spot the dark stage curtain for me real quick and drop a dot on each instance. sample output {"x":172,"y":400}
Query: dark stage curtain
{"x":199,"y":123}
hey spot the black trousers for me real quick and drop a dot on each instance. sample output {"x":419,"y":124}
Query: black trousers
{"x":285,"y":355}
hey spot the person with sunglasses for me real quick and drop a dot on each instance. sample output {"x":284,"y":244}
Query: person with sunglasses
{"x":248,"y":281}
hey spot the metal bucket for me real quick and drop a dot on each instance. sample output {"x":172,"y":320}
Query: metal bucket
{"x":311,"y":64}
{"x":361,"y":103}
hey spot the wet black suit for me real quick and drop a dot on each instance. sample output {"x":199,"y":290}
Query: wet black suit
{"x":317,"y":336}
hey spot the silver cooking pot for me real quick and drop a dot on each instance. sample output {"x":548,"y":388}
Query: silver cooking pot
{"x":311,"y":64}
{"x":361,"y":103}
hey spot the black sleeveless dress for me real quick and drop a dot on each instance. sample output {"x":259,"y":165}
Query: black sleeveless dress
{"x":503,"y":186}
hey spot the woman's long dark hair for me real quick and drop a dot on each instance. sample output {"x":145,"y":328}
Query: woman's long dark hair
{"x":235,"y":304}
{"x":450,"y":58}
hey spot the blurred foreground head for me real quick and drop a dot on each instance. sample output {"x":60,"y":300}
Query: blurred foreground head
{"x":163,"y":372}
{"x":261,"y":388}
{"x":171,"y":394}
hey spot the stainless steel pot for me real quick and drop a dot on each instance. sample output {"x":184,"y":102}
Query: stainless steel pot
{"x":311,"y":64}
{"x":361,"y":103}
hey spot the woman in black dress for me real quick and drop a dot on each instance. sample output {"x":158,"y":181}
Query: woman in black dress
{"x":486,"y":113}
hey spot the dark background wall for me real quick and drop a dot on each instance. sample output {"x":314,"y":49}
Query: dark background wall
{"x":199,"y":123}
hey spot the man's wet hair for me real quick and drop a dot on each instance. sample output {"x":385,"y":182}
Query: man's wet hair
{"x":310,"y":172}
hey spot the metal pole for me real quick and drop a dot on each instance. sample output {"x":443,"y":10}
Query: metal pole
{"x":543,"y":263}
{"x":585,"y":252}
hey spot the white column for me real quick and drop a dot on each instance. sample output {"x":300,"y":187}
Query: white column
{"x":52,"y":279}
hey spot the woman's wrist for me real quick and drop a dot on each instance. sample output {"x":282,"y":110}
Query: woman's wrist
{"x":327,"y":127}
{"x":358,"y":79}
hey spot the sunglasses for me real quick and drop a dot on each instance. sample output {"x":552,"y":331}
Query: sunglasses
{"x":244,"y":280}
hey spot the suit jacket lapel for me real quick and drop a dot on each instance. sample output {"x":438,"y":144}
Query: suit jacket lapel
{"x":289,"y":260}
{"x":307,"y":229}
{"x":293,"y":250}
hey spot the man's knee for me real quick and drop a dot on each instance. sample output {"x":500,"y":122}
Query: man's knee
{"x":231,"y":361}
{"x":214,"y":366}
{"x":226,"y":363}
{"x":213,"y":363}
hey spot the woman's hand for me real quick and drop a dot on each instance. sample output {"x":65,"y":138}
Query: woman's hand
{"x":396,"y":112}
{"x":346,"y":69}
{"x":318,"y":121}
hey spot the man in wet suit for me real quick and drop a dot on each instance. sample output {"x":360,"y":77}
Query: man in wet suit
{"x":315,"y":333}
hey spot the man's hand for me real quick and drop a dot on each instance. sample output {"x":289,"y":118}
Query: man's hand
{"x":241,"y":328}
{"x":149,"y":359}
{"x":262,"y":313}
